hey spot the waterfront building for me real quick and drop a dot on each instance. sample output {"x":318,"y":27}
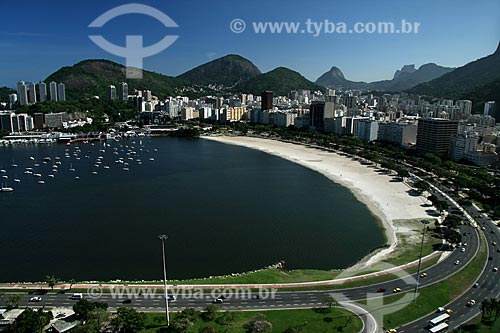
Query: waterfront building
{"x":434,"y":135}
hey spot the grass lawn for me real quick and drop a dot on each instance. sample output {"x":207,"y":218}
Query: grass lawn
{"x":309,"y":320}
{"x":436,"y":295}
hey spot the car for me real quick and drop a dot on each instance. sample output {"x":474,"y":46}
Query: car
{"x":127,"y":301}
{"x":457,"y":262}
{"x":490,"y":258}
{"x":498,"y":250}
{"x":440,"y":309}
{"x":218,"y":301}
{"x":35,"y":299}
{"x":494,"y":243}
{"x":464,"y":244}
{"x":495,"y":269}
{"x":423,"y":275}
{"x":471,"y":303}
{"x":171,"y":297}
{"x":396,"y":290}
{"x":449,"y":311}
{"x":476,"y":285}
{"x":492,"y":232}
{"x":61,"y":315}
{"x":462,"y":249}
{"x":381,"y":290}
{"x":392,"y":330}
{"x":256,"y":296}
{"x":483,"y":228}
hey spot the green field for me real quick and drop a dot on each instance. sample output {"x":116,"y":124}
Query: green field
{"x":338,"y":320}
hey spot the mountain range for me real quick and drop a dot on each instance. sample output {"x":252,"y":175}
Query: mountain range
{"x":478,"y":80}
{"x":405,"y":78}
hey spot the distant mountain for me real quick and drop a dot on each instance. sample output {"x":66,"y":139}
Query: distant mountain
{"x":463,"y":80}
{"x":4,"y":94}
{"x":92,"y":77}
{"x":227,"y":71}
{"x":404,"y":78}
{"x":280,"y":80}
{"x":334,"y":78}
{"x":409,"y":77}
{"x":406,"y":69}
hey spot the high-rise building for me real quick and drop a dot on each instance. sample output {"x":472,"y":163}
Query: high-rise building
{"x":123,"y":91}
{"x":490,"y":110}
{"x":367,"y":130}
{"x":53,"y":91}
{"x":266,"y":101}
{"x":465,"y":106}
{"x":317,"y":115}
{"x":148,"y":96}
{"x":42,"y":92}
{"x":12,"y":100}
{"x":111,"y":93}
{"x":434,"y":135}
{"x":61,"y":92}
{"x":22,"y":92}
{"x":39,"y":121}
{"x":31,"y":93}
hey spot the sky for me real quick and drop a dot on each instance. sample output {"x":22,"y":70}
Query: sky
{"x":39,"y":37}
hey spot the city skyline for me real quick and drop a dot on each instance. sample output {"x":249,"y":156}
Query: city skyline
{"x":205,"y":34}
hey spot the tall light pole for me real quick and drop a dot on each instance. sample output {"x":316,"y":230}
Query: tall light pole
{"x":163,"y":238}
{"x":419,"y":263}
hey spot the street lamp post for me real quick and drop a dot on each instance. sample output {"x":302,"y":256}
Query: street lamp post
{"x":419,"y":264}
{"x":163,"y":238}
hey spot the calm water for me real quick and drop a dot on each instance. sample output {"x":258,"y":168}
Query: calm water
{"x":225,"y":209}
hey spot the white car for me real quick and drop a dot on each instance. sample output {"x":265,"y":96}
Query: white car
{"x":35,"y":299}
{"x":457,"y":262}
{"x":471,"y":303}
{"x":495,"y":269}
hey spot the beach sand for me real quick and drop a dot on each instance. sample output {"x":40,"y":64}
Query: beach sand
{"x":386,"y":198}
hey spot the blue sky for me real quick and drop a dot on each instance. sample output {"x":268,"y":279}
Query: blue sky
{"x":39,"y":37}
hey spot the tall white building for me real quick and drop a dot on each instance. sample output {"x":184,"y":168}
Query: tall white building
{"x":465,"y":106}
{"x":22,"y":92}
{"x":489,"y":108}
{"x":123,"y":91}
{"x":12,"y":100}
{"x":61,"y":92}
{"x":53,"y":91}
{"x":31,"y":93}
{"x":42,"y":92}
{"x":111,"y":93}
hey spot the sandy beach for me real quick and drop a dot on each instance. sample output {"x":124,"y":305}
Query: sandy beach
{"x":389,"y":200}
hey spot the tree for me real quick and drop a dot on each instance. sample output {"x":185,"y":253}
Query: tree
{"x":422,"y":186}
{"x":259,"y":326}
{"x":31,"y":321}
{"x":12,"y":302}
{"x":71,"y":283}
{"x":84,"y":308}
{"x":128,"y":320}
{"x":207,"y":329}
{"x":210,"y":312}
{"x":51,"y":281}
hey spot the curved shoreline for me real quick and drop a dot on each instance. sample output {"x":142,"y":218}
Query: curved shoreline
{"x":388,"y":201}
